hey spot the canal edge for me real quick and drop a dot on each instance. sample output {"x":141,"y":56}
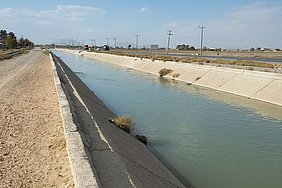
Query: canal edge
{"x":83,"y":174}
{"x":225,"y":78}
{"x":120,"y":166}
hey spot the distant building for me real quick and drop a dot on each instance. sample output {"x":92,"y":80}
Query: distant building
{"x":154,"y":47}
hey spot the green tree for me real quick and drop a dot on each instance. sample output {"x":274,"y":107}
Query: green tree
{"x":23,"y":43}
{"x":11,"y":40}
{"x":192,"y":48}
{"x":3,"y":36}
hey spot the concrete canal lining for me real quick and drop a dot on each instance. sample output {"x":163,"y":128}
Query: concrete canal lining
{"x":263,"y":86}
{"x":101,"y":154}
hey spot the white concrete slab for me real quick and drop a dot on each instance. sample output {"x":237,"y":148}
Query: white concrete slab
{"x":215,"y":79}
{"x":272,"y":93}
{"x":244,"y":85}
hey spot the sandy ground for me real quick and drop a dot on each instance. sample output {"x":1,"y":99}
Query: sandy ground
{"x":32,"y":144}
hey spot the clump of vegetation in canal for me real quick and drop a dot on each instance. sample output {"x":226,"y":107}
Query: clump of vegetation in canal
{"x":164,"y":72}
{"x":124,"y":122}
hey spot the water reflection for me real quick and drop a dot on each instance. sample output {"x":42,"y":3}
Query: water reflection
{"x":264,"y":109}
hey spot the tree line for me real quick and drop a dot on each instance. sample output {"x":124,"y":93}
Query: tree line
{"x":185,"y":47}
{"x":8,"y":40}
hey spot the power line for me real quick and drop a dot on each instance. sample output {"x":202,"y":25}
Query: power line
{"x":202,"y":37}
{"x":107,"y":41}
{"x":168,"y":40}
{"x":94,"y":41}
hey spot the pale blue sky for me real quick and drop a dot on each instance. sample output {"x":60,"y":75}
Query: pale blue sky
{"x":230,"y":24}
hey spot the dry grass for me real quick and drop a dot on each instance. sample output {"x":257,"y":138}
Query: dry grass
{"x":7,"y":54}
{"x":242,"y":63}
{"x":198,"y":60}
{"x":176,"y":75}
{"x":164,"y":72}
{"x":124,"y":122}
{"x":46,"y":52}
{"x":250,"y":68}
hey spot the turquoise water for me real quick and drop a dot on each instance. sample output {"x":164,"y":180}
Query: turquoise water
{"x":210,"y":139}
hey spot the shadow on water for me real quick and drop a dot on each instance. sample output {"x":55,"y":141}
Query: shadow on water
{"x":155,"y":143}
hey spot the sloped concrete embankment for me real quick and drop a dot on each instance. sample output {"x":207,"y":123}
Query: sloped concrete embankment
{"x":263,"y":86}
{"x":109,"y":156}
{"x":82,"y":172}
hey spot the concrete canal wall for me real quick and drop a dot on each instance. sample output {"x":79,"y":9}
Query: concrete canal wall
{"x":102,"y":155}
{"x":263,"y":86}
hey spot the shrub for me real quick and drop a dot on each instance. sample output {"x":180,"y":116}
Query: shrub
{"x":124,"y":122}
{"x":164,"y":72}
{"x":176,"y":75}
{"x":250,"y":68}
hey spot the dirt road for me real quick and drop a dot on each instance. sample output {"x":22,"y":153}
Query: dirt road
{"x":32,"y":144}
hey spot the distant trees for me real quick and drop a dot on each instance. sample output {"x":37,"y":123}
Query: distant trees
{"x":3,"y":37}
{"x":192,"y":48}
{"x":9,"y":41}
{"x":184,"y":47}
{"x":23,"y":42}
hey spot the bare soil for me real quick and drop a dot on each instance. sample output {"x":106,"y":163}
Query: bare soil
{"x":32,"y":144}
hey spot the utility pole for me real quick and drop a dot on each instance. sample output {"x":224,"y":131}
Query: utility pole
{"x":202,"y":37}
{"x":168,"y":40}
{"x":94,"y":41}
{"x":137,"y":36}
{"x":115,"y":39}
{"x":107,"y":41}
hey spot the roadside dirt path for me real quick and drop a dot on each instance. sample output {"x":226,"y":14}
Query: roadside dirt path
{"x":32,"y":144}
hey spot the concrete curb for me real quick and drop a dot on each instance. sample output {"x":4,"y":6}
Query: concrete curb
{"x":83,"y":174}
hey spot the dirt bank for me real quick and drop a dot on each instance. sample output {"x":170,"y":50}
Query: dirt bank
{"x":33,"y":150}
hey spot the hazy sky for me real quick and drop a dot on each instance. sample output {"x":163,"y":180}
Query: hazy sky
{"x":229,"y":24}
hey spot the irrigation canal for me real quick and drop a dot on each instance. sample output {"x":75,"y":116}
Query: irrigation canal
{"x":211,"y":139}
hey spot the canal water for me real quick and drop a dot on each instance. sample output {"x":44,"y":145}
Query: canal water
{"x":210,"y":139}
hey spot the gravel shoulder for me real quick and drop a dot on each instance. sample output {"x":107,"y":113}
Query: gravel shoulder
{"x":32,"y":143}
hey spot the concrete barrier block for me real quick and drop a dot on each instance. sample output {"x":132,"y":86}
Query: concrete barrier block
{"x":214,"y":79}
{"x":139,"y":65}
{"x":272,"y":93}
{"x":190,"y":75}
{"x":244,"y":85}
